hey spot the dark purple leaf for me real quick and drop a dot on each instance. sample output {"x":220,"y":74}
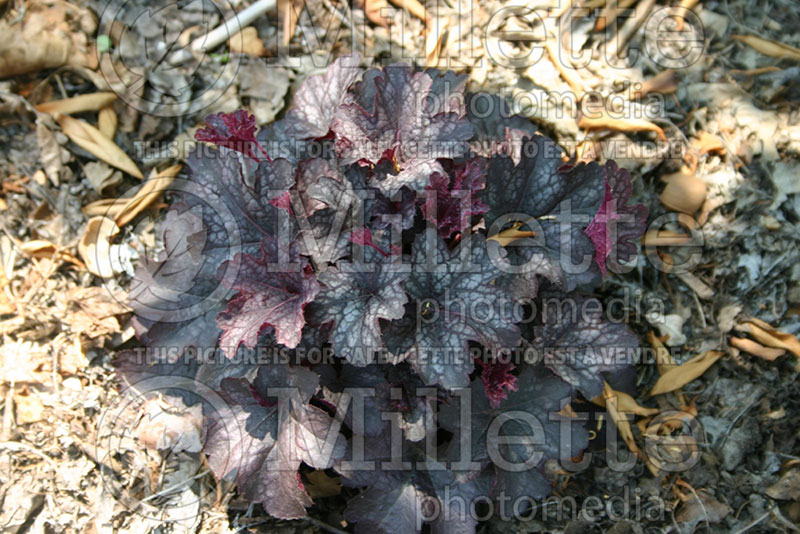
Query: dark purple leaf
{"x":400,"y":126}
{"x":455,"y":304}
{"x":355,"y":296}
{"x":234,"y":131}
{"x":272,"y":290}
{"x":451,"y":200}
{"x":616,"y":225}
{"x":319,"y":97}
{"x":579,"y":346}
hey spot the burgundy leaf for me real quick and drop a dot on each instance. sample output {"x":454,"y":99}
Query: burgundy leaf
{"x":616,"y":225}
{"x":236,"y":131}
{"x":272,"y":292}
{"x":450,"y":200}
{"x":402,"y":127}
{"x":497,"y":380}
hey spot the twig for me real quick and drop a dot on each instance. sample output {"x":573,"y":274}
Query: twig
{"x":224,"y":31}
{"x":754,"y":523}
{"x":324,"y":526}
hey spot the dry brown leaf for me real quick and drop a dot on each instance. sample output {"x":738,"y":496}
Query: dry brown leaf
{"x":42,"y":249}
{"x":247,"y":42}
{"x":151,"y":190}
{"x":92,"y":140}
{"x":50,"y":152}
{"x":569,"y":74}
{"x":769,"y":47}
{"x":751,"y":347}
{"x":769,"y":336}
{"x":78,"y":104}
{"x":664,"y":83}
{"x":95,"y":246}
{"x":29,"y":408}
{"x":684,"y":192}
{"x":605,"y":122}
{"x":373,"y":9}
{"x":787,"y":488}
{"x":695,"y":284}
{"x":107,"y":121}
{"x":677,"y":377}
{"x":620,"y":420}
{"x":624,"y":403}
{"x":322,"y":485}
{"x":707,"y":142}
{"x":664,"y":238}
{"x":434,"y":39}
{"x":30,"y":47}
{"x":415,"y":8}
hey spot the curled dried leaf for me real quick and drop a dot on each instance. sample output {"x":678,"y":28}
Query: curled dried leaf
{"x":756,"y":349}
{"x":769,"y":47}
{"x":95,"y":246}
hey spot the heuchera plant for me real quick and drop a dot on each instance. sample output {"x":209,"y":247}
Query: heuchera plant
{"x":411,"y":231}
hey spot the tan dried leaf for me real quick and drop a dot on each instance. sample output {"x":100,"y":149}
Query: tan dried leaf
{"x":247,"y":42}
{"x":622,"y":423}
{"x":29,"y":408}
{"x":677,"y":377}
{"x":92,"y":140}
{"x":606,"y":122}
{"x":322,"y":485}
{"x":768,"y":47}
{"x":107,"y":121}
{"x":95,"y":246}
{"x":78,"y":104}
{"x":769,"y":336}
{"x":624,"y":403}
{"x":751,"y":347}
{"x":684,"y":192}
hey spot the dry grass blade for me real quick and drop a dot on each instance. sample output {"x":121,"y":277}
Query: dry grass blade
{"x":78,"y":104}
{"x":663,"y":83}
{"x":93,"y":141}
{"x":769,"y":47}
{"x":679,"y":376}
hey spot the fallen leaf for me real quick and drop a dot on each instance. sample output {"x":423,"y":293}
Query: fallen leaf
{"x":321,"y":485}
{"x":664,"y":238}
{"x":95,"y":246}
{"x":78,"y":104}
{"x":624,"y":403}
{"x":769,"y":336}
{"x":29,"y":408}
{"x":415,"y":8}
{"x":706,"y":143}
{"x":434,"y":39}
{"x":93,"y":141}
{"x":605,"y":122}
{"x":751,"y":347}
{"x":373,"y":9}
{"x":170,"y":426}
{"x":622,"y":423}
{"x":677,"y":377}
{"x":151,"y":191}
{"x":663,"y":83}
{"x":107,"y":121}
{"x":700,"y":508}
{"x":769,"y":47}
{"x":50,"y":152}
{"x":23,"y":51}
{"x":787,"y":488}
{"x":247,"y":42}
{"x":684,"y":192}
{"x":42,"y":249}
